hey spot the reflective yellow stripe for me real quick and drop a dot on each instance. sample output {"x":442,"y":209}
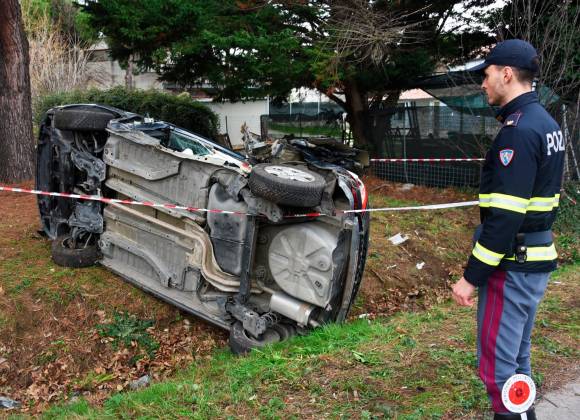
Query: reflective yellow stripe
{"x":543,"y":203}
{"x":540,"y":253}
{"x":504,"y":201}
{"x":486,"y":256}
{"x":518,"y":204}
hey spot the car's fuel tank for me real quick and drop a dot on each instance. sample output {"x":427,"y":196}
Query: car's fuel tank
{"x":227,"y":231}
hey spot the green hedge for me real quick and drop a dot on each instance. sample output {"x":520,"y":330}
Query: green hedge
{"x":179,"y":110}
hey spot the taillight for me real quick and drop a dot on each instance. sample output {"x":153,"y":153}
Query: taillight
{"x":364,"y":194}
{"x":360,"y":194}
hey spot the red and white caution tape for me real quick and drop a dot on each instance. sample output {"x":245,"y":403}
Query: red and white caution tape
{"x":429,"y":160}
{"x":116,"y":200}
{"x":239,"y":213}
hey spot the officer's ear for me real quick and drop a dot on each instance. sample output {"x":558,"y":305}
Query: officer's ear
{"x":507,"y":74}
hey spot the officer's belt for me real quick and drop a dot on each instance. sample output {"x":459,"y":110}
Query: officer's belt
{"x":543,"y":237}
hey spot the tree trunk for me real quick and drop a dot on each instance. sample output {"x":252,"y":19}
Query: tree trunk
{"x":357,"y":108}
{"x":16,"y":138}
{"x":387,"y":140}
{"x":129,"y":73}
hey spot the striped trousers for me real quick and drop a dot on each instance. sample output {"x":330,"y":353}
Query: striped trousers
{"x":506,"y":312}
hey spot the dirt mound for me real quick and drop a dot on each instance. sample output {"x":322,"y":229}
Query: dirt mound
{"x":418,"y":272}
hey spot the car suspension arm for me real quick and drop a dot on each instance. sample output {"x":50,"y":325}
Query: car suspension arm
{"x":247,"y":261}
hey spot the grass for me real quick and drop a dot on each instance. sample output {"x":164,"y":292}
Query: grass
{"x":413,"y":365}
{"x":308,"y":130}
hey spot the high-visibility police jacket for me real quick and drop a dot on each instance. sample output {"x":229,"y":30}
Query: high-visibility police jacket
{"x":519,"y":190}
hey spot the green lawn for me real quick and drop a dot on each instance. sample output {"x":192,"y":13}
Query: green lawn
{"x":413,"y":357}
{"x":307,"y":130}
{"x":413,"y":365}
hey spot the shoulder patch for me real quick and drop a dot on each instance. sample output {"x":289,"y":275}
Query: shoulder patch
{"x":506,"y":156}
{"x":513,"y":119}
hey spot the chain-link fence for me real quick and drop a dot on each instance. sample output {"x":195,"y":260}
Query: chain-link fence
{"x":443,"y":132}
{"x":326,"y":124}
{"x":438,"y":131}
{"x":432,"y":174}
{"x":409,"y":131}
{"x":430,"y":131}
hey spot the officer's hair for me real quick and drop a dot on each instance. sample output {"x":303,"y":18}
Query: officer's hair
{"x":525,"y":75}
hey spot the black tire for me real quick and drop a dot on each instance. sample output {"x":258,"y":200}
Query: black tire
{"x":65,"y":256}
{"x":241,"y":342}
{"x":285,"y":331}
{"x":292,"y":192}
{"x":82,"y":119}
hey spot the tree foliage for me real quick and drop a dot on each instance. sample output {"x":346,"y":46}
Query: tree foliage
{"x":252,"y":48}
{"x":63,"y":17}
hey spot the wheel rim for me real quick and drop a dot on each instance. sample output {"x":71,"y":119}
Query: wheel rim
{"x":286,"y":172}
{"x":269,"y":336}
{"x":79,"y":244}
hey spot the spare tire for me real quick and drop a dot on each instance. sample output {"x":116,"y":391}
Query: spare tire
{"x":287,"y":184}
{"x":66,"y":255}
{"x":82,"y":119}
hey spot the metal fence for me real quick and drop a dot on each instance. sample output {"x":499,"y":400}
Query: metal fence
{"x":414,"y":132}
{"x":432,"y":174}
{"x":324,"y":124}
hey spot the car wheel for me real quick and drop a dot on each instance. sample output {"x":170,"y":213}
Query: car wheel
{"x":285,"y":331}
{"x":65,"y":254}
{"x":287,"y":184}
{"x":241,"y":342}
{"x":82,"y":119}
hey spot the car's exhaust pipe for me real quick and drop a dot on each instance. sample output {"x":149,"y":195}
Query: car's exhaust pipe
{"x":292,"y":308}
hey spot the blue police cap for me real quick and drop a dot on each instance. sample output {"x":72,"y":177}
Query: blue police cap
{"x":513,"y":53}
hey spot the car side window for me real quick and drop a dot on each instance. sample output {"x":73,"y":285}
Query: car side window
{"x":181,"y":143}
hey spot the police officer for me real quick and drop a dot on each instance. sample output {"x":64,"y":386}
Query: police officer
{"x":513,"y":252}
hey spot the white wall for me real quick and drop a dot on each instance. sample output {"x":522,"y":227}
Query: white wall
{"x":107,"y":74}
{"x":233,"y":115}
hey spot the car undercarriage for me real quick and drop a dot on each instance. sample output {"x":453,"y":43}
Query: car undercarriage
{"x":266,"y":248}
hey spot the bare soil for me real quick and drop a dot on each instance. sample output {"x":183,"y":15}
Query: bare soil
{"x":439,"y":245}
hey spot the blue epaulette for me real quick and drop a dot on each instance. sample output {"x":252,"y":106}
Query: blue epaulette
{"x":513,"y":119}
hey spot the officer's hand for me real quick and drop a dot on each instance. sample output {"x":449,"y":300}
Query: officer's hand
{"x":463,"y":292}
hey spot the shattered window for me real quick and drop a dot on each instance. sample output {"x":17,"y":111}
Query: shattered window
{"x":182,"y":144}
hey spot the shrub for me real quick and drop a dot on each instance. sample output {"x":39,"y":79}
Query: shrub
{"x":127,"y":330}
{"x":58,"y":60}
{"x":179,"y":110}
{"x":567,"y":225}
{"x":569,"y":211}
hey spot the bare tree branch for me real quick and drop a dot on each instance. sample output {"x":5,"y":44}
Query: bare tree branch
{"x":553,"y":27}
{"x":359,"y":33}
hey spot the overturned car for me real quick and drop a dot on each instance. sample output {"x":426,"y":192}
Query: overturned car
{"x":238,"y":243}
